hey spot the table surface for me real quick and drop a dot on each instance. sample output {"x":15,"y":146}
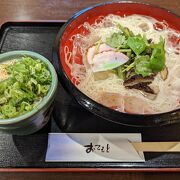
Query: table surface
{"x":61,"y":10}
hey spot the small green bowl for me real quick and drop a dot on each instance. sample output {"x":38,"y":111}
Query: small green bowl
{"x":34,"y":120}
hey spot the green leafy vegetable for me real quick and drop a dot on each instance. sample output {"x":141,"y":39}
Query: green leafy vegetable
{"x":145,"y":40}
{"x":29,"y":81}
{"x":124,"y":50}
{"x":117,"y":40}
{"x":142,"y":65}
{"x":137,"y":44}
{"x":120,"y":72}
{"x":125,"y":31}
{"x":148,"y":51}
{"x":129,"y":67}
{"x":157,"y":61}
{"x":145,"y":58}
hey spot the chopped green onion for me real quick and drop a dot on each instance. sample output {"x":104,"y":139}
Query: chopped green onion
{"x":29,"y":81}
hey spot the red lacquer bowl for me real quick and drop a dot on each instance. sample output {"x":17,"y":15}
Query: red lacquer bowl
{"x":90,"y":15}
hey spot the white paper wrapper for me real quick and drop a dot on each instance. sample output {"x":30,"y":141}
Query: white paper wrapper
{"x":70,"y":147}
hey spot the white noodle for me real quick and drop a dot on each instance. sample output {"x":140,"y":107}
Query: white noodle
{"x":169,"y":95}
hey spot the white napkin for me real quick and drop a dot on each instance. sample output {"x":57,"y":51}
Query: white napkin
{"x":106,"y":147}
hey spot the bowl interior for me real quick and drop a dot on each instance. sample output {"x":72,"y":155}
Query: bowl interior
{"x":73,"y":26}
{"x":18,"y":54}
{"x":90,"y":15}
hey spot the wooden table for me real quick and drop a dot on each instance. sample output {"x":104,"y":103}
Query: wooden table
{"x":59,"y":9}
{"x":13,"y":10}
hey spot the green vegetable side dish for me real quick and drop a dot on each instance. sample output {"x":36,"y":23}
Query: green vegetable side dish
{"x":28,"y":81}
{"x":145,"y":57}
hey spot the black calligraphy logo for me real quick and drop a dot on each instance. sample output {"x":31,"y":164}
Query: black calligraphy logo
{"x":97,"y":147}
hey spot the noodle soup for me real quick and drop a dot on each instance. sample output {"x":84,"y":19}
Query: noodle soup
{"x":129,"y":64}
